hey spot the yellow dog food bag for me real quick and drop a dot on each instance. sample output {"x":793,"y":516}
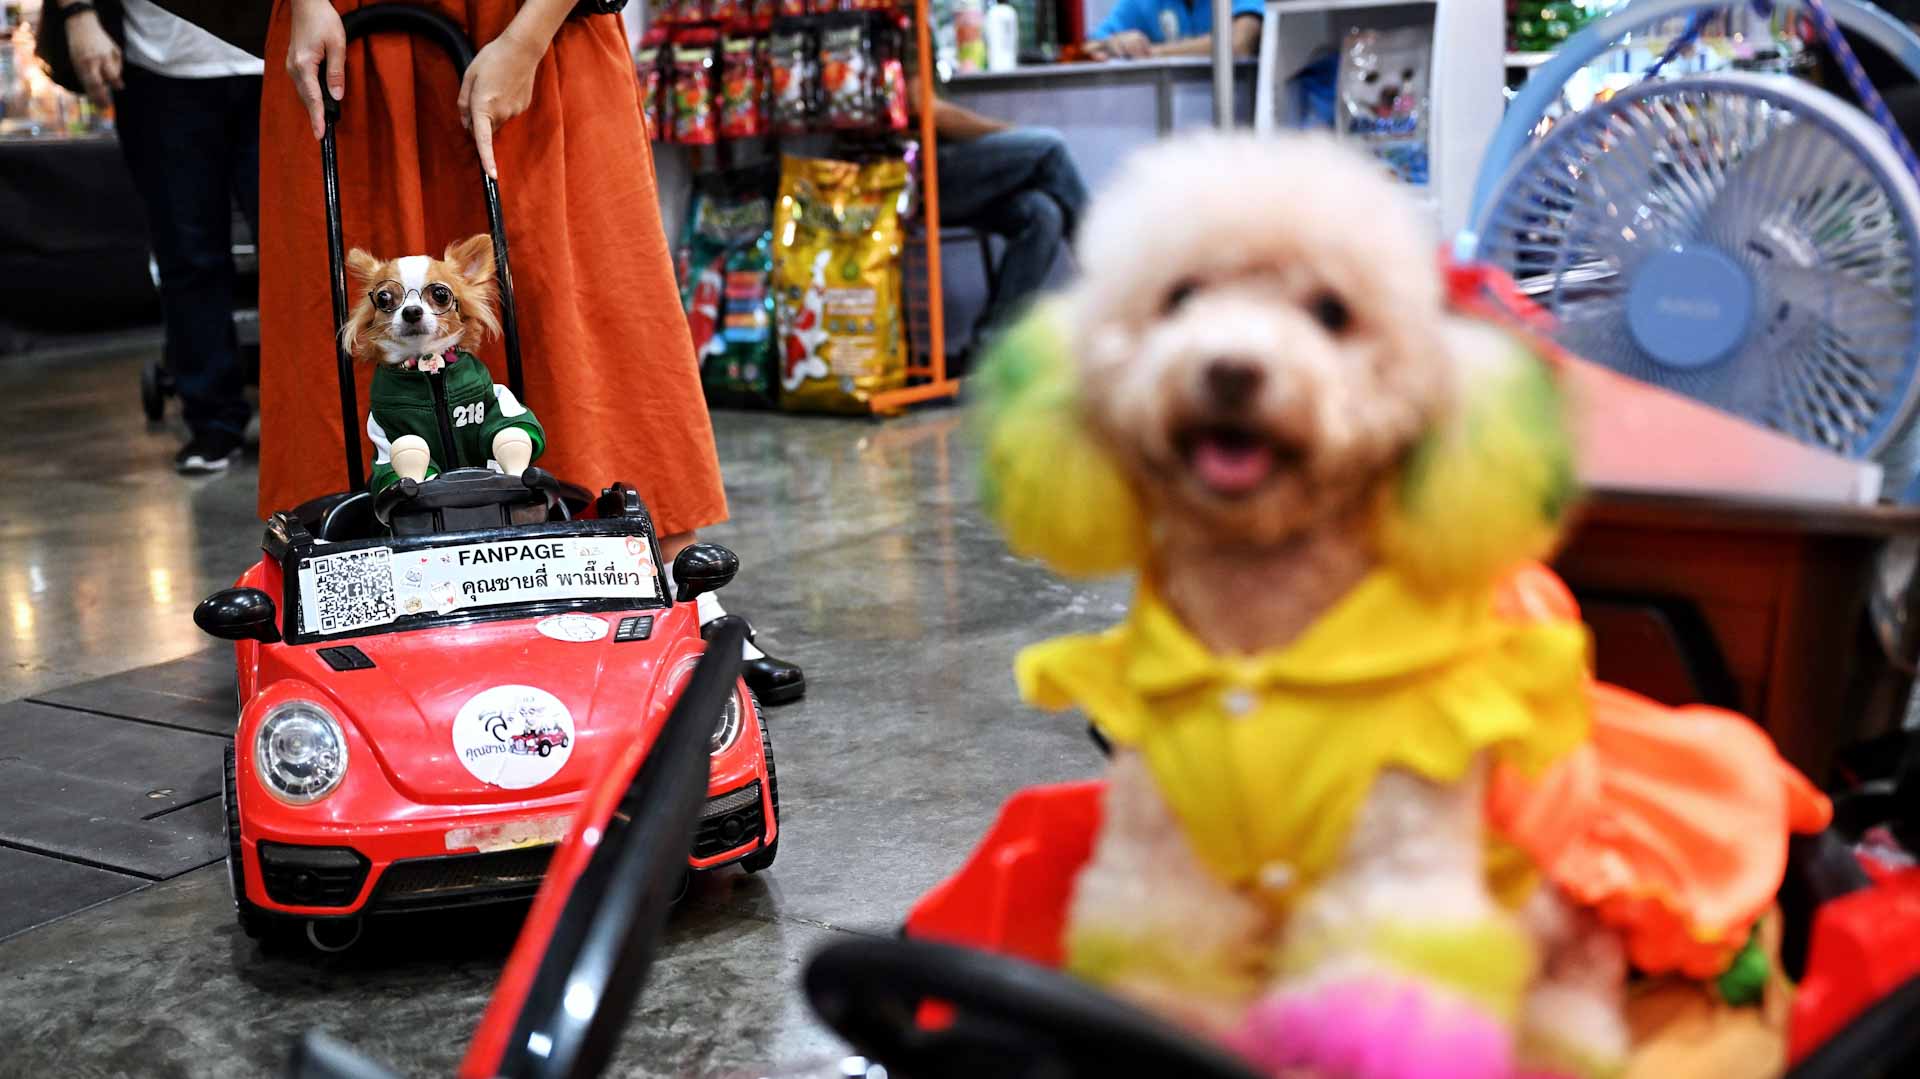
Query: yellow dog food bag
{"x":837,"y":237}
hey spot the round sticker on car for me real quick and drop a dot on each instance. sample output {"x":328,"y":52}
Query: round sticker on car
{"x":578,"y":628}
{"x":513,"y":736}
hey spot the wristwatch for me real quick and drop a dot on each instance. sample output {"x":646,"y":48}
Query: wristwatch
{"x":597,"y":7}
{"x":76,"y":8}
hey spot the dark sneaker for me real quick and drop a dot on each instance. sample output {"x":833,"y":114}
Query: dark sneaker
{"x":204,"y":455}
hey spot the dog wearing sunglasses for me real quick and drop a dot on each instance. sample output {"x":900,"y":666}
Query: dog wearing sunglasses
{"x":433,"y":406}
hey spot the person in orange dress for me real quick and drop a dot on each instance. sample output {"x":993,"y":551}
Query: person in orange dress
{"x":551,"y":109}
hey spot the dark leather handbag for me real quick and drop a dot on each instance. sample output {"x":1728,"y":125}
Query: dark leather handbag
{"x":50,"y":40}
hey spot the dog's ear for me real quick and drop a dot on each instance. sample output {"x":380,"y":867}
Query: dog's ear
{"x":473,"y":257}
{"x":363,"y":266}
{"x":1045,"y":479}
{"x":356,"y":325}
{"x":1492,"y":483}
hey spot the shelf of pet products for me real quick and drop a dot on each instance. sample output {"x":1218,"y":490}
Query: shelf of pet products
{"x":810,"y":260}
{"x":32,"y":106}
{"x":1417,"y":82}
{"x":1736,"y":38}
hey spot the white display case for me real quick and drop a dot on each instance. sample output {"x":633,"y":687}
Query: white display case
{"x":1466,"y":83}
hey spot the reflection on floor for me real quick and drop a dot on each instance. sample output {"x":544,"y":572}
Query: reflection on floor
{"x":863,"y":559}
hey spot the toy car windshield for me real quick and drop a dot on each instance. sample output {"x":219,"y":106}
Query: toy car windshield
{"x":369,"y":587}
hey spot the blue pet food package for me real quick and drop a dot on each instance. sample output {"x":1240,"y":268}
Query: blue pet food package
{"x":1384,"y":99}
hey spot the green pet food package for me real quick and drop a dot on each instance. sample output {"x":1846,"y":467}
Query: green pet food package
{"x":726,"y":267}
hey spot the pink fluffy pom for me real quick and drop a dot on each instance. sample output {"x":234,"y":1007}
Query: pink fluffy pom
{"x":1376,"y":1028}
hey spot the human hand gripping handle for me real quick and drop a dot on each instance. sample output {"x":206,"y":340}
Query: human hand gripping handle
{"x":318,"y":38}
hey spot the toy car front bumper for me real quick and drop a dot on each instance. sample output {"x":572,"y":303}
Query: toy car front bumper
{"x":423,"y":864}
{"x":470,"y":860}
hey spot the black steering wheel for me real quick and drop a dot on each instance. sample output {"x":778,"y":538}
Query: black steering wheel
{"x":1010,"y":1018}
{"x":466,"y":491}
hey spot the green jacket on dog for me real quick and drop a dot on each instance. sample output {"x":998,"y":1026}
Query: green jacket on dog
{"x":407,"y":401}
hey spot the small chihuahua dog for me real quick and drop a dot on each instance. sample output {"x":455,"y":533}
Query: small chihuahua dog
{"x":433,"y":405}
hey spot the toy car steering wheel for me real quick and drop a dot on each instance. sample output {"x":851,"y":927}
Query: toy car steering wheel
{"x":1011,"y":1018}
{"x":475,"y":488}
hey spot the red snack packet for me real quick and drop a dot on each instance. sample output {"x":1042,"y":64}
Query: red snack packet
{"x":742,"y":104}
{"x":791,"y":64}
{"x":792,"y":7}
{"x":729,"y":12}
{"x":693,"y":108}
{"x":650,"y":62}
{"x":847,"y":73}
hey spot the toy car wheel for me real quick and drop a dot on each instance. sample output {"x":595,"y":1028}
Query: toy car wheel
{"x":762,"y":858}
{"x":153,"y":391}
{"x":546,"y":749}
{"x":255,"y":923}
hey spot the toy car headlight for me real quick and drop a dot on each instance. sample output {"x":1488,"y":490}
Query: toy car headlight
{"x":300,"y":752}
{"x":728,"y":730}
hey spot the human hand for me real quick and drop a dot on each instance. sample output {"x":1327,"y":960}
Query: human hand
{"x":497,"y":88}
{"x":1124,"y":45}
{"x":95,"y":57}
{"x":318,"y":35}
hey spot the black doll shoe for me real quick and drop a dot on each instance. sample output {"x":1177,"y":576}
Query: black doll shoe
{"x":774,"y":681}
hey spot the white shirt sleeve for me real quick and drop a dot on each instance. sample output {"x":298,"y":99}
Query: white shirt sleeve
{"x":509,"y":404}
{"x":382,"y":446}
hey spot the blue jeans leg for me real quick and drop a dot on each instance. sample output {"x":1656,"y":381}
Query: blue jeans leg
{"x":1021,"y":185}
{"x":189,"y":143}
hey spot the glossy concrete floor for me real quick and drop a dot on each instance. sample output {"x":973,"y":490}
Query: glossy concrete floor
{"x":863,"y":558}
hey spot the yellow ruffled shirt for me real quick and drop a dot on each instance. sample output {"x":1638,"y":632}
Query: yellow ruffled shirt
{"x":1265,"y":759}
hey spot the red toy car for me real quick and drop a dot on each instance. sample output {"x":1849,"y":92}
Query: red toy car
{"x":410,"y":740}
{"x":431,"y":679}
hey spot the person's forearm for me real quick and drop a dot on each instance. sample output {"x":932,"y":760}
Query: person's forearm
{"x":950,"y":121}
{"x":538,"y":21}
{"x":1186,"y":46}
{"x":1246,"y":41}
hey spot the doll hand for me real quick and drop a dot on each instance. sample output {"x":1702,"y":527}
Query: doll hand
{"x":411,"y":458}
{"x":498,"y":87}
{"x":513,"y":448}
{"x":1375,"y":1027}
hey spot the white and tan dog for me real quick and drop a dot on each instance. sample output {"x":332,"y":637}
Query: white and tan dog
{"x":1258,"y":400}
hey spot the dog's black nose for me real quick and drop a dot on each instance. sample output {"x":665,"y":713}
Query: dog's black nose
{"x":1232,"y":383}
{"x":411,"y":312}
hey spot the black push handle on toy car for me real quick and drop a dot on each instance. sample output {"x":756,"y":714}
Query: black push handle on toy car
{"x":594,"y":961}
{"x":444,"y":32}
{"x":604,"y":940}
{"x":1010,"y":1017}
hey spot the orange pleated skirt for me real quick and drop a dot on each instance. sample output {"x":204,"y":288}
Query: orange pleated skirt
{"x":609,"y":363}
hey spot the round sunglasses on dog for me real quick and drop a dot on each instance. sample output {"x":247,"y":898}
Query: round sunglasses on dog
{"x":387,"y":296}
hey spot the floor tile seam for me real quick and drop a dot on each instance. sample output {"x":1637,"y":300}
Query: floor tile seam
{"x":143,"y":721}
{"x":75,"y":859}
{"x":785,"y":919}
{"x":170,"y":810}
{"x":17,"y":934}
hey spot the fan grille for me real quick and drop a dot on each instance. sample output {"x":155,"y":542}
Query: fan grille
{"x":1764,"y":184}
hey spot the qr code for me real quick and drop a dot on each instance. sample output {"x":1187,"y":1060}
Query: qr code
{"x":352,"y":589}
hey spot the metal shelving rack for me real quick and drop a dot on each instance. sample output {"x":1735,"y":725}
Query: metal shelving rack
{"x":927,"y":379}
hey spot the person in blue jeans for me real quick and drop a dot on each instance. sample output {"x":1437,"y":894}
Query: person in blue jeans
{"x":1017,"y":183}
{"x":1135,"y":29}
{"x":187,"y":109}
